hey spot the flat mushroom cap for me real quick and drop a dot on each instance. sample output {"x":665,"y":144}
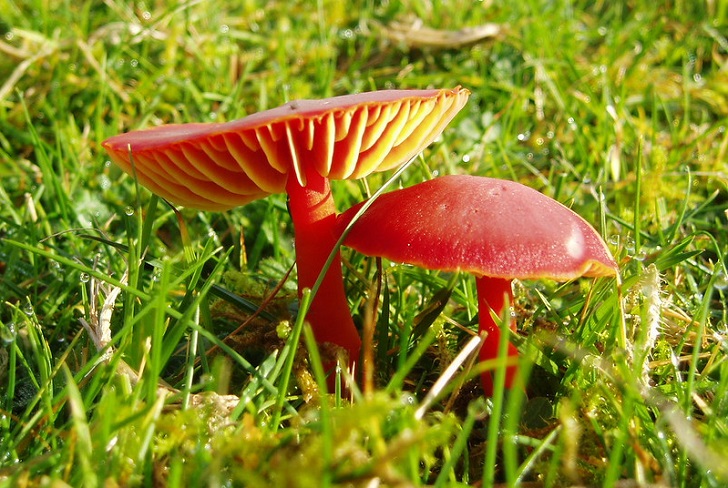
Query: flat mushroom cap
{"x":217,"y":166}
{"x":485,"y":226}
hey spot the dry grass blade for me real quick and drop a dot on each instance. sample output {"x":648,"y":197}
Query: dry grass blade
{"x":416,"y":34}
{"x":447,"y":375}
{"x":47,"y":47}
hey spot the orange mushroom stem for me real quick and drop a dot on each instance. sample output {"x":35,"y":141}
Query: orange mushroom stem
{"x":314,"y":215}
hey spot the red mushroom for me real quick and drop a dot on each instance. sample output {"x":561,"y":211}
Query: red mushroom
{"x":296,"y":148}
{"x":495,"y":229}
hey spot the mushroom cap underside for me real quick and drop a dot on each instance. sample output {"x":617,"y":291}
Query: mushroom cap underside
{"x":485,"y":226}
{"x":217,"y":166}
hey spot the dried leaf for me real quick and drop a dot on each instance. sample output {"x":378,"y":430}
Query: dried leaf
{"x":416,"y":34}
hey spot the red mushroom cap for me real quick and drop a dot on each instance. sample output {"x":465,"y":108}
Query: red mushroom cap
{"x":218,"y":166}
{"x":485,"y":226}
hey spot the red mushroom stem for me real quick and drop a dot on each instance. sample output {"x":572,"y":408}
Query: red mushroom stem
{"x":494,"y":294}
{"x":314,"y":215}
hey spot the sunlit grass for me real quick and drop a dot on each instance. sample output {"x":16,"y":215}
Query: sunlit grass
{"x":115,"y":361}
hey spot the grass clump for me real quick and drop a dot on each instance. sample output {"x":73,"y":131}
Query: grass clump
{"x":115,"y":361}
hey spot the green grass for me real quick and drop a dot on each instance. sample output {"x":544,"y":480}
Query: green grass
{"x":617,"y":109}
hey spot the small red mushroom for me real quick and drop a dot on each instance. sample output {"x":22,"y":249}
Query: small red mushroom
{"x":296,"y":148}
{"x":497,"y":230}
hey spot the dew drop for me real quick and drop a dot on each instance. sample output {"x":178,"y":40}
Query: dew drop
{"x":129,"y":210}
{"x":408,"y":399}
{"x":84,"y":277}
{"x":28,"y":309}
{"x":104,"y":182}
{"x":614,"y":240}
{"x":629,"y":244}
{"x":7,"y":334}
{"x":721,"y":281}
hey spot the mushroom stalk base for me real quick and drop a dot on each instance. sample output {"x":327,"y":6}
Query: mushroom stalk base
{"x":313,"y":213}
{"x":493,"y":294}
